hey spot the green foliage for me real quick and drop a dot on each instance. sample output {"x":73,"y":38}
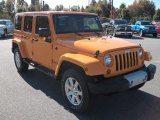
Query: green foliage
{"x":142,"y":8}
{"x":156,"y":17}
{"x":102,"y":8}
{"x":59,"y":7}
{"x":46,"y":7}
{"x":122,"y":6}
{"x":125,"y":14}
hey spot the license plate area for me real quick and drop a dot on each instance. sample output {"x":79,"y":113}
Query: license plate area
{"x":136,"y":78}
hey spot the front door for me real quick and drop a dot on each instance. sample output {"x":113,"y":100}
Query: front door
{"x":42,"y":50}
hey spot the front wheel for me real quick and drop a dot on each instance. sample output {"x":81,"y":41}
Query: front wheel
{"x":20,"y":64}
{"x":114,"y":33}
{"x":4,"y":35}
{"x":141,"y":34}
{"x":74,"y":90}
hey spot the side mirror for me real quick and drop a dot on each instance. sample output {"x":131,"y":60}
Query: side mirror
{"x":44,"y":32}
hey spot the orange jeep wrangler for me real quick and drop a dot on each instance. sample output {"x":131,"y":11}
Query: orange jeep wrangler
{"x":72,"y":47}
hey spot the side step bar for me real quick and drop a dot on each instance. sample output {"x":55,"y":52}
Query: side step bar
{"x":41,"y":68}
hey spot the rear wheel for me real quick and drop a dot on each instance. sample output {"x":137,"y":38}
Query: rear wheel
{"x":155,"y":35}
{"x":75,"y":90}
{"x":20,"y":64}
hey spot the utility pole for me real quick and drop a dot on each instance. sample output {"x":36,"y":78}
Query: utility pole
{"x":43,"y":5}
{"x":112,"y":14}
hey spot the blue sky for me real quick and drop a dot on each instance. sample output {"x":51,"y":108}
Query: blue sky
{"x":67,"y":3}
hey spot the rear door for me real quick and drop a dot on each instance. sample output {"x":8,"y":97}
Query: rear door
{"x":27,"y":34}
{"x":42,"y":49}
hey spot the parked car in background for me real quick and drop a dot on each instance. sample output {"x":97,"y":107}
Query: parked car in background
{"x":145,"y":27}
{"x":105,"y":23}
{"x":119,"y":27}
{"x":157,"y":24}
{"x":6,"y":27}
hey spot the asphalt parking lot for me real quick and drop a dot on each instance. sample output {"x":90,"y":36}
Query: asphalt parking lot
{"x":35,"y":96}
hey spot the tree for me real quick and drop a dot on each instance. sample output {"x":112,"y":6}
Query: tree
{"x":156,"y":17}
{"x":82,"y":9}
{"x":10,"y":8}
{"x":122,"y":6}
{"x":2,"y":7}
{"x":142,"y":8}
{"x":125,"y":14}
{"x":75,"y":8}
{"x":59,"y":7}
{"x":21,"y":6}
{"x":102,"y":8}
{"x":46,"y":7}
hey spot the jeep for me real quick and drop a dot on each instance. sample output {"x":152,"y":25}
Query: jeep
{"x":72,"y":48}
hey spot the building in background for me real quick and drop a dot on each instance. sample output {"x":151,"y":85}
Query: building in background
{"x":35,"y":2}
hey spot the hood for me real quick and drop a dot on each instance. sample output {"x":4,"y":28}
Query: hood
{"x":148,"y":25}
{"x":103,"y":44}
{"x":122,"y":25}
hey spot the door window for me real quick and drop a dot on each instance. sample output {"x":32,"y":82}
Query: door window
{"x":42,"y":22}
{"x":18,"y":22}
{"x":28,"y":23}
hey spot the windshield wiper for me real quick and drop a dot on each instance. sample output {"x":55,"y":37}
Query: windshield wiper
{"x":78,"y":34}
{"x":97,"y":33}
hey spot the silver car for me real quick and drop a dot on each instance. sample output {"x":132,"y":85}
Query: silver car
{"x":6,"y":27}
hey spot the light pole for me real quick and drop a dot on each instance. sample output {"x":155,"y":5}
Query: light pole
{"x":112,"y":9}
{"x":43,"y":5}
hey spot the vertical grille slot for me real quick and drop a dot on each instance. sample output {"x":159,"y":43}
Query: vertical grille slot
{"x":124,"y":59}
{"x":136,"y":58}
{"x":130,"y":59}
{"x":120,"y":61}
{"x":116,"y":58}
{"x":127,"y":60}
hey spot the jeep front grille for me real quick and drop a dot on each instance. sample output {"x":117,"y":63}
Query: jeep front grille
{"x":126,"y":60}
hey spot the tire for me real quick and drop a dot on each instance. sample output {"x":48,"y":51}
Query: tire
{"x":4,"y":35}
{"x":137,"y":87}
{"x":114,"y":33}
{"x":19,"y":63}
{"x":141,"y":33}
{"x":130,"y":36}
{"x":155,"y":35}
{"x":78,"y":97}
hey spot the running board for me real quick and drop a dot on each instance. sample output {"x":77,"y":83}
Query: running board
{"x":41,"y":68}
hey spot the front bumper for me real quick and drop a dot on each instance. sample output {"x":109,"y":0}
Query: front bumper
{"x":123,"y":82}
{"x":149,"y":31}
{"x":124,"y":33}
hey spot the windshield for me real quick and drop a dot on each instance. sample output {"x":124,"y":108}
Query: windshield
{"x":76,"y":23}
{"x":117,"y":22}
{"x":146,"y":23}
{"x":3,"y":22}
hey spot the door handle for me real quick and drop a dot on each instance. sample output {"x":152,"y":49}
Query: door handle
{"x":35,"y":39}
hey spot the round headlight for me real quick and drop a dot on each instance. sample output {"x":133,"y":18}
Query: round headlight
{"x":140,"y":53}
{"x":108,"y":60}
